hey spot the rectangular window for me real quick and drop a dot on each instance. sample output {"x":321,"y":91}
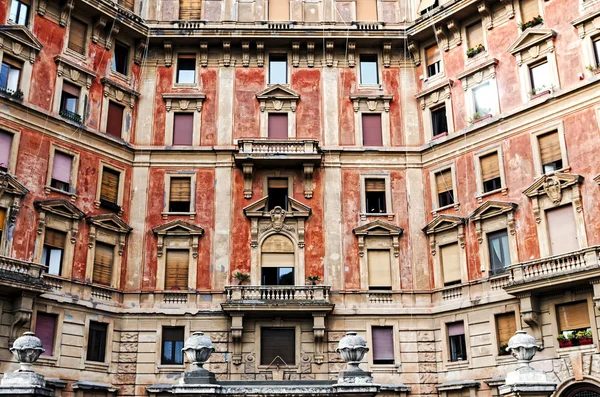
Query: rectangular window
{"x":439,"y":122}
{"x":596,"y":44}
{"x":69,"y":100}
{"x":277,"y":275}
{"x":371,"y":128}
{"x":180,"y":195}
{"x":176,"y":269}
{"x":77,"y":36}
{"x":529,"y":10}
{"x":172,"y":343}
{"x":45,"y":329}
{"x":506,"y":327}
{"x":278,"y":69}
{"x":368,"y":69}
{"x":375,"y":200}
{"x":2,"y":222}
{"x":474,"y":34}
{"x":450,"y":258}
{"x":573,"y":318}
{"x":5,"y":145}
{"x":380,"y":275}
{"x":186,"y":69}
{"x":61,"y":171}
{"x":540,"y":77}
{"x":278,"y":126}
{"x":96,"y":348}
{"x":562,"y":230}
{"x":490,"y":172}
{"x":277,"y":191}
{"x":53,"y":250}
{"x":433,"y":59}
{"x":279,"y":10}
{"x":120,"y":61}
{"x":190,"y":10}
{"x":10,"y":75}
{"x":366,"y":10}
{"x":427,"y":6}
{"x":445,"y":189}
{"x":499,"y":251}
{"x":383,"y":345}
{"x":483,"y":99}
{"x":550,"y":154}
{"x":109,"y":189}
{"x":104,"y":258}
{"x":456,"y":339}
{"x":19,"y":12}
{"x":183,"y":129}
{"x":114,"y":121}
{"x":278,"y":346}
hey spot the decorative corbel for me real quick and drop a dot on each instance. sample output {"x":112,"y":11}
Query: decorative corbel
{"x":237,"y":328}
{"x":262,"y":105}
{"x":351,"y":54}
{"x":41,"y":7}
{"x":74,"y":231}
{"x":441,"y":38}
{"x":319,"y":336}
{"x":65,"y":11}
{"x":356,"y":105}
{"x":387,"y":54}
{"x":13,"y":212}
{"x":461,"y":236}
{"x":247,"y":170}
{"x":41,"y":225}
{"x":98,"y":28}
{"x":114,"y":31}
{"x":168,"y":53}
{"x":396,"y":246}
{"x":226,"y":53}
{"x":160,"y":245}
{"x":361,"y":246}
{"x":386,"y":105}
{"x":195,"y":247}
{"x":329,"y":53}
{"x":415,"y":51}
{"x":486,"y":14}
{"x":245,"y":54}
{"x":204,"y":54}
{"x":92,"y":237}
{"x":293,"y":104}
{"x":254,"y":233}
{"x":479,"y":232}
{"x":510,"y":223}
{"x":309,"y":170}
{"x":300,"y":233}
{"x":432,"y":245}
{"x":20,"y":318}
{"x":510,"y":8}
{"x":576,"y":198}
{"x":454,"y":29}
{"x":310,"y":54}
{"x":295,"y":54}
{"x":121,"y":244}
{"x":140,"y":50}
{"x":260,"y":54}
{"x":536,"y":210}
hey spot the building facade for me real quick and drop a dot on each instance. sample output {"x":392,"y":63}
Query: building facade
{"x":278,"y":173}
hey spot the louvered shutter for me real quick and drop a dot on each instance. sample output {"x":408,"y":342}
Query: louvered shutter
{"x":366,"y":10}
{"x":379,"y":267}
{"x":277,"y":346}
{"x":180,"y":189}
{"x":562,"y":229}
{"x":455,"y":329}
{"x":61,"y":169}
{"x":371,"y":125}
{"x":529,"y":9}
{"x":71,"y":89}
{"x":5,"y":144}
{"x":183,"y":129}
{"x":432,"y":55}
{"x":279,"y":10}
{"x":375,"y":185}
{"x":278,"y":125}
{"x":190,"y":10}
{"x":549,"y":148}
{"x":490,"y":168}
{"x":450,"y":263}
{"x":2,"y":219}
{"x":110,"y":186}
{"x":475,"y":35}
{"x":573,"y":316}
{"x":506,"y":326}
{"x":45,"y":326}
{"x":443,"y":181}
{"x":77,"y":36}
{"x":54,"y":238}
{"x":176,"y":271}
{"x":128,"y":4}
{"x":383,"y":344}
{"x":103,"y":264}
{"x":114,"y":122}
{"x":277,"y":183}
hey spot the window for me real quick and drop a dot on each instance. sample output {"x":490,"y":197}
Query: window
{"x":506,"y":327}
{"x":490,"y":172}
{"x":120,"y":58}
{"x":61,"y":171}
{"x":529,"y":10}
{"x":278,"y":126}
{"x":550,"y":154}
{"x":445,"y":189}
{"x":277,"y":192}
{"x":375,"y":196}
{"x":77,"y":36}
{"x":103,"y":264}
{"x":176,"y":270}
{"x":96,"y":348}
{"x":596,"y":44}
{"x":433,"y":59}
{"x":450,"y":258}
{"x":10,"y":75}
{"x":439,"y":123}
{"x":70,"y":99}
{"x":183,"y":129}
{"x":180,"y":195}
{"x":499,"y":251}
{"x":114,"y":123}
{"x":383,"y":345}
{"x":109,"y":189}
{"x":562,"y":230}
{"x":483,"y":99}
{"x":277,"y":261}
{"x":19,"y":12}
{"x":190,"y":10}
{"x":540,"y":77}
{"x":2,"y":223}
{"x":474,"y":35}
{"x":456,"y":339}
{"x":427,"y":6}
{"x":278,"y":69}
{"x":366,"y":10}
{"x":380,"y":275}
{"x":574,"y":318}
{"x":5,"y":145}
{"x":186,"y":69}
{"x":172,"y":343}
{"x":368,"y":69}
{"x":371,"y":128}
{"x":279,"y":10}
{"x":277,"y":346}
{"x":45,"y":329}
{"x":53,"y":250}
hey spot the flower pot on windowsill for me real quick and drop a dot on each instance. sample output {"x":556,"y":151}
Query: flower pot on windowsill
{"x":540,"y":94}
{"x":487,"y":116}
{"x":565,"y":343}
{"x":585,"y":341}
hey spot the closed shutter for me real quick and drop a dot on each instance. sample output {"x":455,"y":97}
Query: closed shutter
{"x":2,"y":220}
{"x":506,"y":326}
{"x":277,"y":251}
{"x":279,"y":10}
{"x":375,"y":185}
{"x":190,"y":10}
{"x":277,"y":183}
{"x":573,"y":316}
{"x":114,"y":122}
{"x":450,"y":263}
{"x":77,"y":36}
{"x":475,"y":35}
{"x":562,"y":229}
{"x":366,"y":10}
{"x":176,"y":271}
{"x":277,"y":259}
{"x":54,"y":238}
{"x":432,"y":55}
{"x":278,"y":346}
{"x":110,"y":186}
{"x":380,"y":274}
{"x":278,"y":125}
{"x":490,"y":168}
{"x":550,"y":148}
{"x":383,"y":345}
{"x":128,"y":4}
{"x":529,"y":10}
{"x":371,"y":125}
{"x":45,"y":326}
{"x":61,"y":169}
{"x":183,"y":129}
{"x":180,"y":189}
{"x":443,"y":181}
{"x":5,"y":144}
{"x":71,"y":89}
{"x":103,"y":264}
{"x":455,"y":329}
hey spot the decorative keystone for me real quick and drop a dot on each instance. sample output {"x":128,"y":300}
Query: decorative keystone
{"x":27,"y":350}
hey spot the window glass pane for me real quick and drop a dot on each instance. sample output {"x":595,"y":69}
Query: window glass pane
{"x":14,"y":9}
{"x":499,"y":251}
{"x":597,"y":51}
{"x":13,"y":79}
{"x":439,"y":122}
{"x":368,"y":69}
{"x":172,"y":339}
{"x":483,"y":99}
{"x":4,"y":75}
{"x":286,"y":276}
{"x":54,"y":261}
{"x":278,"y":69}
{"x":186,"y":70}
{"x":96,"y":348}
{"x":23,"y":11}
{"x":540,"y":77}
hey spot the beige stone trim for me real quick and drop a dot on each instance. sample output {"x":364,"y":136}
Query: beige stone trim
{"x":58,"y":332}
{"x":432,"y":98}
{"x":369,"y":51}
{"x":445,"y":342}
{"x":179,"y":174}
{"x":175,"y":61}
{"x":388,"y":195}
{"x":434,"y":192}
{"x":88,"y":34}
{"x":74,"y":74}
{"x":478,"y":178}
{"x":440,"y":239}
{"x":588,"y":28}
{"x":537,"y":157}
{"x":519,"y":11}
{"x":379,"y":243}
{"x":267,"y":65}
{"x":371,"y":104}
{"x":120,"y":192}
{"x":277,"y":323}
{"x":183,"y":103}
{"x":383,"y":322}
{"x":278,"y":174}
{"x":107,"y":365}
{"x":430,"y":80}
{"x":72,"y":193}
{"x":487,"y":226}
{"x":469,"y":62}
{"x":160,"y":324}
{"x":14,"y":146}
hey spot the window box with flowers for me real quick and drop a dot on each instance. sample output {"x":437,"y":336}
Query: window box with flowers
{"x":595,"y":69}
{"x":572,"y":338}
{"x":471,"y":52}
{"x":529,"y":24}
{"x":480,"y":116}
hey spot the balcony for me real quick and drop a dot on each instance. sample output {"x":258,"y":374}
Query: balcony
{"x":67,"y":114}
{"x":16,"y":275}
{"x":308,"y":298}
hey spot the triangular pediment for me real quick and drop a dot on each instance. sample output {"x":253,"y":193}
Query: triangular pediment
{"x":60,"y":207}
{"x":378,"y":228}
{"x":110,"y":222}
{"x":531,"y":37}
{"x":259,"y":209}
{"x":443,"y":223}
{"x":10,"y":185}
{"x":178,"y":228}
{"x":278,"y":91}
{"x":22,"y":35}
{"x":492,"y":208}
{"x":548,"y":183}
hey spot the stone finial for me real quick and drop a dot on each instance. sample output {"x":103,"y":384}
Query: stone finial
{"x":352,"y":348}
{"x":523,"y":347}
{"x":198,"y":349}
{"x":26,"y":350}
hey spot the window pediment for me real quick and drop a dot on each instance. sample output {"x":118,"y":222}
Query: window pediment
{"x":537,"y":42}
{"x":277,"y":98}
{"x":552,"y":185}
{"x":372,"y":103}
{"x":478,"y":74}
{"x":20,"y":42}
{"x":587,"y":24}
{"x":60,"y":207}
{"x":110,"y":222}
{"x":9,"y":184}
{"x":444,"y":223}
{"x":490,"y":209}
{"x":436,"y":94}
{"x":119,"y":93}
{"x":378,"y":228}
{"x":183,"y":101}
{"x":72,"y":71}
{"x":259,"y":209}
{"x":178,"y":228}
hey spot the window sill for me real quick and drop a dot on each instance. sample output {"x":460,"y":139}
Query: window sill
{"x":96,"y":366}
{"x":48,"y":189}
{"x":433,"y":79}
{"x":565,"y":351}
{"x":370,"y":87}
{"x":167,"y":368}
{"x":476,"y":58}
{"x":561,"y":170}
{"x":166,"y":215}
{"x":363,"y":216}
{"x":438,"y":136}
{"x":119,"y":211}
{"x":120,"y":76}
{"x":389,"y":368}
{"x":435,"y":211}
{"x":539,"y":95}
{"x":75,"y":54}
{"x":503,"y":190}
{"x":454,"y":365}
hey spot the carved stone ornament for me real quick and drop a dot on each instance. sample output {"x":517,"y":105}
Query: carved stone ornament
{"x":26,"y":350}
{"x":278,"y":97}
{"x":553,"y":189}
{"x":415,"y":51}
{"x":10,"y":185}
{"x":378,"y":228}
{"x":178,"y":228}
{"x":70,"y":70}
{"x":198,"y":349}
{"x":277,"y":218}
{"x":17,"y":40}
{"x":352,"y":348}
{"x":553,"y":186}
{"x":532,"y":43}
{"x":491,"y":209}
{"x":119,"y":92}
{"x":371,"y":103}
{"x":184,"y":101}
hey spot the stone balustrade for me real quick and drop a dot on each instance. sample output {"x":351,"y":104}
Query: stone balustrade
{"x":282,"y":294}
{"x":21,"y":267}
{"x":275,"y":146}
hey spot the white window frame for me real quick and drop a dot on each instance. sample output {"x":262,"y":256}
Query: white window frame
{"x":433,"y":187}
{"x":379,"y":56}
{"x":525,"y":72}
{"x":30,"y":18}
{"x":176,"y":243}
{"x":120,"y":190}
{"x":480,"y":194}
{"x":388,"y":195}
{"x":267,"y":66}
{"x":520,"y":14}
{"x":104,"y":118}
{"x":176,"y":67}
{"x":65,"y":225}
{"x":432,"y":98}
{"x":588,"y":33}
{"x":447,"y":238}
{"x":167,"y":181}
{"x":74,"y":171}
{"x":264,"y":122}
{"x":535,"y":144}
{"x":124,"y":77}
{"x":396,"y":343}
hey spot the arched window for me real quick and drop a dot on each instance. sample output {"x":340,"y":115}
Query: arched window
{"x":277,"y":261}
{"x":582,"y":390}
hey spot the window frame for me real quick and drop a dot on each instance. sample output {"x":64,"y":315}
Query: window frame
{"x":28,"y":17}
{"x":282,"y":54}
{"x":87,"y":38}
{"x":441,"y":73}
{"x":259,"y":325}
{"x":183,"y":54}
{"x":167,"y":181}
{"x":568,"y":298}
{"x":162,"y":346}
{"x":128,"y":58}
{"x":63,"y":251}
{"x":537,"y":155}
{"x":433,"y":186}
{"x":98,"y":365}
{"x":464,"y":31}
{"x":480,"y":194}
{"x":388,"y":195}
{"x":58,"y":331}
{"x":13,"y":153}
{"x":384,"y":367}
{"x":10,"y":63}
{"x":445,"y":321}
{"x":378,"y":72}
{"x":72,"y":193}
{"x":120,"y":189}
{"x":520,"y":13}
{"x":168,"y":368}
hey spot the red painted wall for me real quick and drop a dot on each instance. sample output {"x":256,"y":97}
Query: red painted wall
{"x":246,"y":118}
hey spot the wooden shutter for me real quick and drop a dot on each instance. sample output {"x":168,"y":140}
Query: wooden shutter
{"x":278,"y":125}
{"x":383,"y":343}
{"x":506,"y":326}
{"x":573,"y":316}
{"x":180,"y":189}
{"x":103,"y":264}
{"x":277,"y":183}
{"x":114,"y":122}
{"x":71,"y":89}
{"x":5,"y":144}
{"x":109,"y":189}
{"x":190,"y":10}
{"x":371,"y":125}
{"x":61,"y":169}
{"x":2,"y":220}
{"x":183,"y":129}
{"x":549,"y":148}
{"x":432,"y":55}
{"x":450,"y":263}
{"x":475,"y":35}
{"x":562,"y":229}
{"x":529,"y":10}
{"x":455,"y":329}
{"x":77,"y":36}
{"x":54,"y":238}
{"x":366,"y":10}
{"x":176,"y":269}
{"x":277,"y":342}
{"x":45,"y":326}
{"x":490,"y":168}
{"x":128,"y":4}
{"x":443,"y":181}
{"x":379,"y":262}
{"x":279,"y":10}
{"x":375,"y":185}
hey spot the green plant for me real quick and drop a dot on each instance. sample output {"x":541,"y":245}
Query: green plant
{"x":313,"y":279}
{"x":529,"y":24}
{"x":593,"y":68}
{"x":471,"y":52}
{"x":587,"y":334}
{"x":562,"y":337}
{"x":241,"y":277}
{"x":503,"y":349}
{"x":477,"y":115}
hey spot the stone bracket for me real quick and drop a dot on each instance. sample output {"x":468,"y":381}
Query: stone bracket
{"x":204,"y":54}
{"x":168,"y":53}
{"x":237,"y":326}
{"x":319,"y":336}
{"x":247,"y":169}
{"x":387,"y":54}
{"x":97,"y":29}
{"x":530,"y":314}
{"x":245,"y":54}
{"x":21,"y":311}
{"x":486,"y":14}
{"x":415,"y":51}
{"x":65,"y":11}
{"x":351,"y":54}
{"x":309,"y":169}
{"x":140,"y":50}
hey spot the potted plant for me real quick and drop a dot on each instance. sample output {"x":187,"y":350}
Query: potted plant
{"x":241,"y":277}
{"x":563,"y":340}
{"x":529,"y":24}
{"x":584,"y":337}
{"x":595,"y":69}
{"x":471,"y":52}
{"x":313,"y":280}
{"x":503,"y":350}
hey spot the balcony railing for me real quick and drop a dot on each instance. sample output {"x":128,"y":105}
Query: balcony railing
{"x":21,"y":267}
{"x":278,"y":294}
{"x":273,"y":146}
{"x":14,"y":94}
{"x":67,"y":114}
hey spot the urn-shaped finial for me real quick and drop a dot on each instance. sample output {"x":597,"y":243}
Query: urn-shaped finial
{"x":27,"y":350}
{"x":352,"y":348}
{"x":198,"y":349}
{"x":523,"y":347}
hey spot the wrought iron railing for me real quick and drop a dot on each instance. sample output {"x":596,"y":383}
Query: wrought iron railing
{"x":67,"y":114}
